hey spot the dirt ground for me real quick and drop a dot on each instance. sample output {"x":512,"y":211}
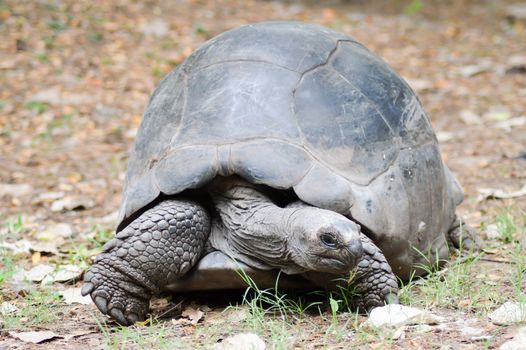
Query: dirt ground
{"x":75,"y":77}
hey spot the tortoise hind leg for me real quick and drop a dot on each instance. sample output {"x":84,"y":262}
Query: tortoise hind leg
{"x":463,"y":236}
{"x":157,"y":248}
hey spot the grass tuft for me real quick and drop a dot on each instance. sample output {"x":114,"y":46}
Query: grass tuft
{"x":38,"y":308}
{"x":506,"y":226}
{"x":15,"y":225}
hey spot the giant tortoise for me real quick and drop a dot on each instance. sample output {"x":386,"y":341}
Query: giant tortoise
{"x":278,"y":146}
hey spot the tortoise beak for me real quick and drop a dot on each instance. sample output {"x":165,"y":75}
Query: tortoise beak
{"x":355,"y":250}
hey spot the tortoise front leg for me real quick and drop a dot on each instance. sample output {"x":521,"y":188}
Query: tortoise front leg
{"x":157,"y":248}
{"x":374,"y":279}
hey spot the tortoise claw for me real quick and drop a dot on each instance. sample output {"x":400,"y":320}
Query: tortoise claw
{"x":101,"y":303}
{"x":87,"y":288}
{"x":119,"y":317}
{"x":111,"y":292}
{"x":133,"y":318}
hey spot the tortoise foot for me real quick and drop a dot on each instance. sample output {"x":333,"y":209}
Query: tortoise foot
{"x":115,"y":294}
{"x":375,"y":282}
{"x":464,"y":237}
{"x":156,"y":249}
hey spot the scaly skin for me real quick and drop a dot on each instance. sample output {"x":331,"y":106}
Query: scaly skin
{"x":157,"y":248}
{"x":375,"y":281}
{"x":166,"y":241}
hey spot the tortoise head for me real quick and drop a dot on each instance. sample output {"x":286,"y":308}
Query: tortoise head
{"x":322,"y":240}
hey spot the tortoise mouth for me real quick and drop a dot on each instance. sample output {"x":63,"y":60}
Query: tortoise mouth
{"x":342,"y":260}
{"x":333,"y":265}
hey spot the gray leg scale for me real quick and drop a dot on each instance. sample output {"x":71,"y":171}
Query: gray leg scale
{"x":157,"y":248}
{"x":374,"y":279}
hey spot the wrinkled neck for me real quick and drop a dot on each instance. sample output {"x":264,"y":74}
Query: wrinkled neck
{"x":254,"y":227}
{"x":244,"y":207}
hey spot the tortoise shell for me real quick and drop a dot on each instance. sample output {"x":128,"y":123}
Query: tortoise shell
{"x":302,"y":107}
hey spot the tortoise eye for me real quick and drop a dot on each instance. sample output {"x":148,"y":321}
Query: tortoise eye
{"x":329,"y":240}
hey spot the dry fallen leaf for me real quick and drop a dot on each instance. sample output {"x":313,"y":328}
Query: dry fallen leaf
{"x":469,"y":117}
{"x":194,"y":315}
{"x":464,"y":303}
{"x":21,"y":246}
{"x":44,"y":247}
{"x":35,"y":258}
{"x":36,"y":274}
{"x":400,"y":333}
{"x":72,"y":203}
{"x":492,"y":231}
{"x":15,"y":190}
{"x":495,"y":193}
{"x":445,"y":136}
{"x":63,"y":273}
{"x":47,"y":197}
{"x":34,"y":337}
{"x":242,"y":341}
{"x":176,"y":322}
{"x":55,"y":232}
{"x":73,"y":296}
{"x":238,"y":314}
{"x":7,"y":308}
{"x":508,"y":125}
{"x":475,"y":69}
